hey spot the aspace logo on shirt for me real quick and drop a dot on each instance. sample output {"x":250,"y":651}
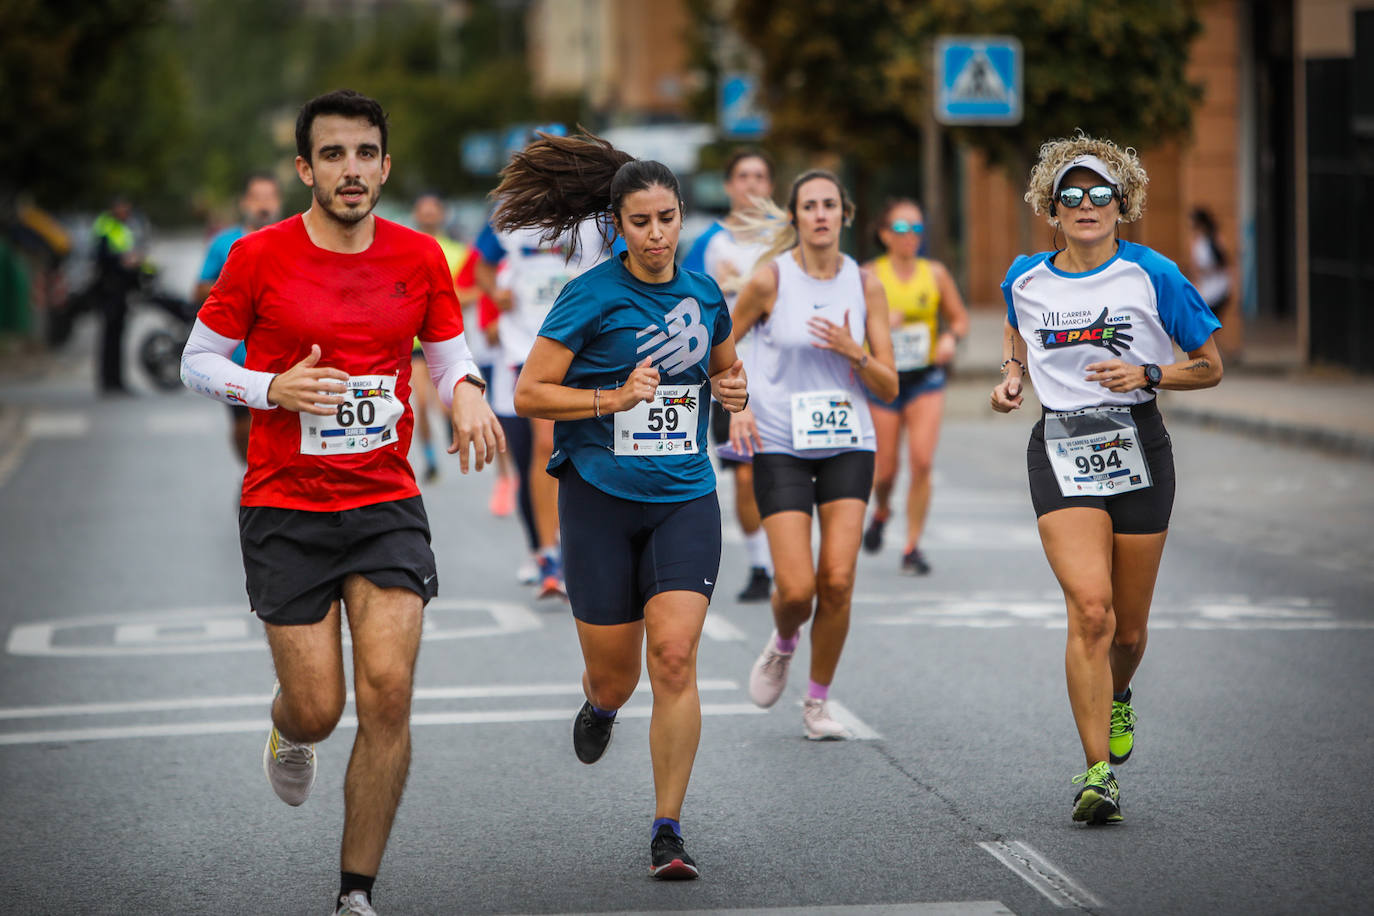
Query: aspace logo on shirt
{"x":1099,"y":333}
{"x":680,"y":343}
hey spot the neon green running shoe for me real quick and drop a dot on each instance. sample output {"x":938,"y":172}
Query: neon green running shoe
{"x":1099,"y":801}
{"x":1122,"y":740}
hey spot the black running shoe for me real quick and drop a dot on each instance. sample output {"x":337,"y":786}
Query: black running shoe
{"x":914,"y":563}
{"x":760,"y":587}
{"x":591,"y":734}
{"x":670,"y":860}
{"x":873,"y":537}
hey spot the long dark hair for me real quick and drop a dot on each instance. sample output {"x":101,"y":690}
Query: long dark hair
{"x":557,"y":182}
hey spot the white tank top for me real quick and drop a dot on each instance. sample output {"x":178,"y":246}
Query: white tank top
{"x":785,"y":363}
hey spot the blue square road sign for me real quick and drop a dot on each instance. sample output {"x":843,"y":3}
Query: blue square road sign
{"x":978,"y":79}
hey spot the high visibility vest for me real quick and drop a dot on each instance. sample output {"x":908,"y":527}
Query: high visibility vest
{"x":118,"y":237}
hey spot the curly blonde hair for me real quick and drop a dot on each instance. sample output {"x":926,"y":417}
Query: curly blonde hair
{"x":1055,"y":154}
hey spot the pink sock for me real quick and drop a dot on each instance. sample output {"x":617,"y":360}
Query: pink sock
{"x":787,"y":646}
{"x":818,"y":691}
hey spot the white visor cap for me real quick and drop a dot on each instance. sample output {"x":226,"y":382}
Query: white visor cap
{"x":1087,"y":162}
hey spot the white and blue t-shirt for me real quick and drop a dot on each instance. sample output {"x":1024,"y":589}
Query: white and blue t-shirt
{"x":1134,"y":307}
{"x":613,"y":321}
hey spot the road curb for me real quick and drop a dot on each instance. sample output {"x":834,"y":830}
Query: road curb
{"x":1339,"y":442}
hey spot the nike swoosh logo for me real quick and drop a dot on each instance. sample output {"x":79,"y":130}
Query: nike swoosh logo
{"x":426,"y":580}
{"x":708,"y":581}
{"x":818,"y":306}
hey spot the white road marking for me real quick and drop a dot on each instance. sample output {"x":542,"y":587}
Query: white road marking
{"x":260,"y":724}
{"x":59,"y":425}
{"x":476,"y":692}
{"x":230,"y":628}
{"x":860,"y":729}
{"x":986,"y":610}
{"x":719,"y":628}
{"x":1037,"y":871}
{"x":950,"y":908}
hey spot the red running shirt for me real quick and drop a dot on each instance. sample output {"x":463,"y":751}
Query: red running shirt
{"x":280,"y":293}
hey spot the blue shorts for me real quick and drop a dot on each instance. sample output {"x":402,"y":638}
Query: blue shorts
{"x":911,"y":385}
{"x":619,"y":553}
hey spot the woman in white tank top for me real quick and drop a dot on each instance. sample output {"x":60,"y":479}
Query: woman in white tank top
{"x":809,"y":429}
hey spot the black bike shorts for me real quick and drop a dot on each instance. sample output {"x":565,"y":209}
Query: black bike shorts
{"x":786,"y":483}
{"x":1144,"y":511}
{"x":618,"y":553}
{"x":296,"y":561}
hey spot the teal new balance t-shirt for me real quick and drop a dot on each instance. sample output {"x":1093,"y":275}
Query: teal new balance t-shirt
{"x":612,"y":322}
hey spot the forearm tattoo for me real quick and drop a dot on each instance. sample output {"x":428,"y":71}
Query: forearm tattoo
{"x":1198,"y":365}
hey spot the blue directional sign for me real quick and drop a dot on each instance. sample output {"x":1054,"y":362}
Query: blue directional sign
{"x":978,"y":79}
{"x":742,"y":117}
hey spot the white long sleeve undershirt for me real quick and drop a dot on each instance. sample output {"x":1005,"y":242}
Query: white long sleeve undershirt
{"x":206,"y":367}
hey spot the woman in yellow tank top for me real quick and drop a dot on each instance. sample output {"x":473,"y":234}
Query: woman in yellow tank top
{"x":928,"y":320}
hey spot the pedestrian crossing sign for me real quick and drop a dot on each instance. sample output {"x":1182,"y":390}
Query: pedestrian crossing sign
{"x":978,"y":79}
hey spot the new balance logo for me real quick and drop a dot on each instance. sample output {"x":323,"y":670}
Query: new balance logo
{"x":682,"y":343}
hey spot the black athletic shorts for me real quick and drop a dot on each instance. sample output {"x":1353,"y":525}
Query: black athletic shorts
{"x":239,"y":411}
{"x":1144,"y":511}
{"x":786,"y":483}
{"x":619,"y":553}
{"x":296,"y":561}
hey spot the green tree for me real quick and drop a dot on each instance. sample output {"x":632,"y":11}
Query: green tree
{"x":89,"y":92}
{"x":855,"y":76}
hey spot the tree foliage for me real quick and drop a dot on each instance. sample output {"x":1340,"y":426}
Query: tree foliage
{"x":855,"y":76}
{"x":88,"y":97}
{"x":175,"y":103}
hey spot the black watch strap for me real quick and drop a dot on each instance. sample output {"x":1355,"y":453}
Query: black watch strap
{"x":475,"y":379}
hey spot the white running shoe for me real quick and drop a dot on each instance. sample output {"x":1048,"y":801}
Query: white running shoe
{"x":290,"y":767}
{"x":355,"y":904}
{"x":768,"y":677}
{"x":819,"y":725}
{"x":528,"y":573}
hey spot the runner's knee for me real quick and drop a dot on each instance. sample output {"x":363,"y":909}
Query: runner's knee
{"x":1091,"y":617}
{"x":794,"y":596}
{"x":835,"y":586}
{"x":313,"y":716}
{"x":672,"y":668}
{"x":613,"y":689}
{"x":384,"y":699}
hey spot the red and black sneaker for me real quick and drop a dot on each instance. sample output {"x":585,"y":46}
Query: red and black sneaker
{"x":670,"y":860}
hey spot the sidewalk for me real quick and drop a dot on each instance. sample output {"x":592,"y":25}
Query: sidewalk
{"x":1266,"y":395}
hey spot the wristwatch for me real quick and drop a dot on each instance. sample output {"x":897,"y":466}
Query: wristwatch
{"x":475,"y":379}
{"x":1153,"y":376}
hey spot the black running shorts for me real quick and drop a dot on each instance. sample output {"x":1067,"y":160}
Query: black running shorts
{"x":619,"y":553}
{"x":786,"y":483}
{"x":1144,"y":511}
{"x":296,"y":561}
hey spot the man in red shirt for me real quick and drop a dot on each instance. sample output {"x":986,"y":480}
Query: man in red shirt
{"x":328,"y":304}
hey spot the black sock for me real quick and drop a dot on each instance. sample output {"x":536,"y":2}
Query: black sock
{"x":350,"y":882}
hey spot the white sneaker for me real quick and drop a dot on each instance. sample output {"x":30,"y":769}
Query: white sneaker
{"x":355,"y":904}
{"x":528,"y":573}
{"x":290,"y":767}
{"x":819,"y":725}
{"x":768,"y":677}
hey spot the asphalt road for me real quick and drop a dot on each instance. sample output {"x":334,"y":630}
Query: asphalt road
{"x":134,"y":688}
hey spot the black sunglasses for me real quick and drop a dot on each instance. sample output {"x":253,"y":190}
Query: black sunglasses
{"x":1100,"y":196}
